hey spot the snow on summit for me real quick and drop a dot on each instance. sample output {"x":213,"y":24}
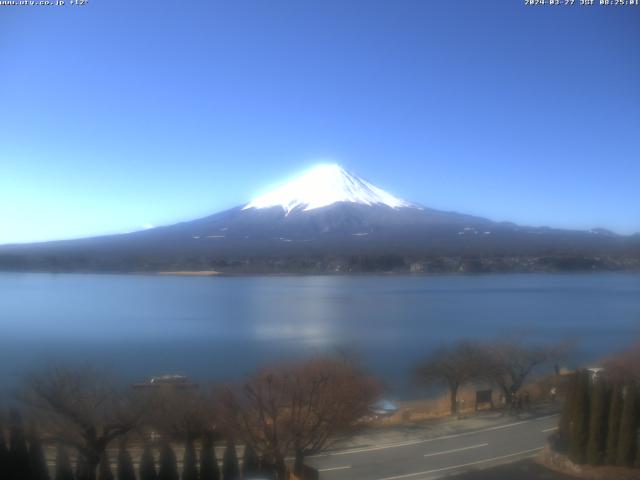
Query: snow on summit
{"x":324,"y":185}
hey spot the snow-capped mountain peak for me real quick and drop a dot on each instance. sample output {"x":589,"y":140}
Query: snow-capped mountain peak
{"x":324,"y":185}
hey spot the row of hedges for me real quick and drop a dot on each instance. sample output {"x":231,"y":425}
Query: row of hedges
{"x":23,"y":458}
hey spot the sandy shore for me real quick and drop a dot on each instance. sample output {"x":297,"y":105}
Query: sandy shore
{"x":196,"y":273}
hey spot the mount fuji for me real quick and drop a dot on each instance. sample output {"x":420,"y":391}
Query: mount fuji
{"x":325,"y":185}
{"x":330,"y":220}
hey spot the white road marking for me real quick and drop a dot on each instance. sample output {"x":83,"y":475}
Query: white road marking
{"x":456,"y":450}
{"x":334,"y":468}
{"x":462,"y":465}
{"x":547,"y":416}
{"x":427,"y":440}
{"x":549,"y":429}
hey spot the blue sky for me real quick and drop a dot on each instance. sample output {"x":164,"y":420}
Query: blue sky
{"x":119,"y":114}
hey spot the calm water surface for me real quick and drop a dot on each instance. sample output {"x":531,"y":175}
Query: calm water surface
{"x":224,"y":327}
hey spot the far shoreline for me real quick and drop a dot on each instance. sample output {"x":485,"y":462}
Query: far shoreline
{"x":189,"y":273}
{"x":388,"y":274}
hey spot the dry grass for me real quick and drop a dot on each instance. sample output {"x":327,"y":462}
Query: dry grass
{"x":420,"y":410}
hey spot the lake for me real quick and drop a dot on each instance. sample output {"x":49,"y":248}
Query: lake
{"x":223,"y":327}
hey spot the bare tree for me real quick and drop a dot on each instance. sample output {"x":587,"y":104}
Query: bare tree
{"x":453,"y":367}
{"x":299,"y":409}
{"x":624,"y":365}
{"x":81,"y":409}
{"x":184,"y":414}
{"x":510,"y":362}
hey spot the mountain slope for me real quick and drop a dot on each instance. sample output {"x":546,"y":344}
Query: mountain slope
{"x":321,"y":221}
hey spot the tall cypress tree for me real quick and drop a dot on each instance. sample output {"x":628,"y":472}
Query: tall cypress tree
{"x":125,"y":465}
{"x":18,"y":451}
{"x":580,"y":420}
{"x":598,"y":422}
{"x":168,"y":465}
{"x":615,"y":414}
{"x":208,"y":462}
{"x":267,"y":470}
{"x":564,"y":427}
{"x":250,"y":462}
{"x":4,"y":456}
{"x":189,"y":462}
{"x":37,"y":462}
{"x":63,"y":465}
{"x":104,"y":468}
{"x":628,"y":427}
{"x":147,"y":470}
{"x":82,"y":469}
{"x":230,"y":469}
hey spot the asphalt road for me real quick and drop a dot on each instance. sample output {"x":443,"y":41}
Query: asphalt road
{"x":439,"y":456}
